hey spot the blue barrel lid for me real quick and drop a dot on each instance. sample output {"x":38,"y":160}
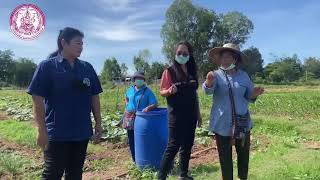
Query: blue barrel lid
{"x":154,"y":112}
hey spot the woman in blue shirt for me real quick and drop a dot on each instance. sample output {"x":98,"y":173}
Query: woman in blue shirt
{"x":232,"y":91}
{"x":65,"y":90}
{"x":138,"y":95}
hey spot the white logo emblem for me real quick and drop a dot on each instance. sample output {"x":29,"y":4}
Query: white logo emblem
{"x":27,"y":21}
{"x":86,"y":81}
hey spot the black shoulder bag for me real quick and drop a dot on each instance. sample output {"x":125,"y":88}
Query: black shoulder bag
{"x":240,"y":123}
{"x":128,"y":118}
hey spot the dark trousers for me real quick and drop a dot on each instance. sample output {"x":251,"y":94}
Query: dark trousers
{"x":225,"y":156}
{"x":64,"y":158}
{"x":180,"y":140}
{"x":131,"y":143}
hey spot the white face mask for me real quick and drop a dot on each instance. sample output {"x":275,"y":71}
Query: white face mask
{"x":182,"y":59}
{"x":139,"y":82}
{"x":232,"y":66}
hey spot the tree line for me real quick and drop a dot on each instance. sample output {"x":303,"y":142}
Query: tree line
{"x":16,"y":72}
{"x":112,"y":71}
{"x":284,"y":70}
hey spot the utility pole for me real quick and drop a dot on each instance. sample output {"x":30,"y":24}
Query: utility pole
{"x":306,"y":75}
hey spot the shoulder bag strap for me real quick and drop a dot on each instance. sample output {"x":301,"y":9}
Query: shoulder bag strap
{"x":141,"y":98}
{"x":233,"y":107}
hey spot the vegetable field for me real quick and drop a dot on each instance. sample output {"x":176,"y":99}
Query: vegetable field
{"x":285,"y":139}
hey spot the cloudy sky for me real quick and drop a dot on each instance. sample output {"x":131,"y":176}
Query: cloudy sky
{"x":121,"y":28}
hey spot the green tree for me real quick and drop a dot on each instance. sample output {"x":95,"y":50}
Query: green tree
{"x":156,"y":70}
{"x":254,"y":67}
{"x":141,"y":60}
{"x":7,"y":66}
{"x":286,"y":69}
{"x":184,"y":21}
{"x":312,"y":66}
{"x":203,"y":28}
{"x":24,"y":69}
{"x":111,"y":70}
{"x":124,"y":70}
{"x":141,"y":63}
{"x":233,"y":27}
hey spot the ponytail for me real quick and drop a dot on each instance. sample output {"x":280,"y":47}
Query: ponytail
{"x":67,"y":34}
{"x":53,"y":54}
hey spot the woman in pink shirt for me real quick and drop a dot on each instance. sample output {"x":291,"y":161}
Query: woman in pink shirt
{"x":179,"y":85}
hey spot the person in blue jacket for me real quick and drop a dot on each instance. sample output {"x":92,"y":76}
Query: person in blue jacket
{"x":65,"y":90}
{"x":148,"y":101}
{"x":232,"y":91}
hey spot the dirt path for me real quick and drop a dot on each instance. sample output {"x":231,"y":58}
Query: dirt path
{"x":19,"y":149}
{"x":123,"y":158}
{"x":119,"y":157}
{"x":3,"y":115}
{"x":312,"y":145}
{"x":206,"y":157}
{"x":111,"y":160}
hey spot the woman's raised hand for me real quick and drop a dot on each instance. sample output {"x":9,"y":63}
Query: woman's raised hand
{"x":211,"y":77}
{"x":173,"y":89}
{"x":257,"y":91}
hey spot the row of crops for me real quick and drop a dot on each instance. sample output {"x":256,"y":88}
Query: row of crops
{"x":17,"y":108}
{"x":21,"y":110}
{"x":304,"y":103}
{"x":18,"y":105}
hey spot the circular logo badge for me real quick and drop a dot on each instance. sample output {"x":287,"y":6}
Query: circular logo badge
{"x":86,"y":81}
{"x":27,"y":21}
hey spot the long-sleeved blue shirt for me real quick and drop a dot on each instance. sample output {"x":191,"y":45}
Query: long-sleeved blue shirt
{"x":221,"y":112}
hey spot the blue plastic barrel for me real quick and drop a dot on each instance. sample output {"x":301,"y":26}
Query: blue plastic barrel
{"x":150,"y":137}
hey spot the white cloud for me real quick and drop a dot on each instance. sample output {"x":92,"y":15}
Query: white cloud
{"x":120,"y":33}
{"x":138,"y":25}
{"x":118,"y":5}
{"x":127,"y":27}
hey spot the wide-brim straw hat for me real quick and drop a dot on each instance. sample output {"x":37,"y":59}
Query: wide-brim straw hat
{"x":214,"y":53}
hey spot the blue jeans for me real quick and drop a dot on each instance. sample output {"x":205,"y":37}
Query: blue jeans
{"x":131,"y":143}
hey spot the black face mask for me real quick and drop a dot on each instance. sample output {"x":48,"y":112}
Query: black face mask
{"x":78,"y":85}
